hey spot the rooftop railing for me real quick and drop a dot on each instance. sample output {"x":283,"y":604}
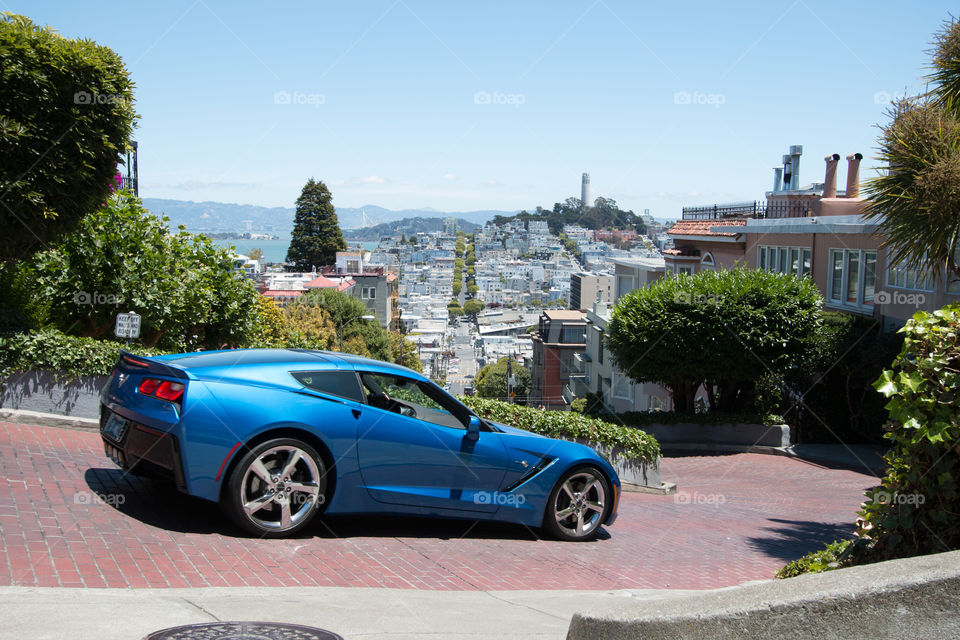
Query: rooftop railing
{"x":756,"y":209}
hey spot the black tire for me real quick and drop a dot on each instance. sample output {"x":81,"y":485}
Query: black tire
{"x":280,"y":505}
{"x":585,"y":496}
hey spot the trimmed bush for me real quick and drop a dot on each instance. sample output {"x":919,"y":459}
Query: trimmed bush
{"x":52,"y":350}
{"x":839,"y":402}
{"x":723,"y":329}
{"x":568,"y":425}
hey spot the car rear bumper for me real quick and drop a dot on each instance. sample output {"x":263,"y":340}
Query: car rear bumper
{"x":142,"y":450}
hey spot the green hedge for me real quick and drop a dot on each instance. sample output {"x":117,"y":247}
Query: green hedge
{"x":568,"y":425}
{"x":52,"y":350}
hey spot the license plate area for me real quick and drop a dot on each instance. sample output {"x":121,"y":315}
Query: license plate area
{"x":114,"y":427}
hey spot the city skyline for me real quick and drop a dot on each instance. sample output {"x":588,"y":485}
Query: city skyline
{"x":416,"y":105}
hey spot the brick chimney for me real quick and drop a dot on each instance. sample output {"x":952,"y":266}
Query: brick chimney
{"x":853,"y":175}
{"x":830,"y":179}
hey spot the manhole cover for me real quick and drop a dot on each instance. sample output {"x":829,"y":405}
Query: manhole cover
{"x":243,"y":631}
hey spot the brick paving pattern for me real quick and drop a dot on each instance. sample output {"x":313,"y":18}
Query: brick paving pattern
{"x":69,"y":518}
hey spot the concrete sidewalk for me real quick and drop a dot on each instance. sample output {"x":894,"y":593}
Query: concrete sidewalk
{"x":395,"y":614}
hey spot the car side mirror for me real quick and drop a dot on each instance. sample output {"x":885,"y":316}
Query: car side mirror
{"x":473,"y":428}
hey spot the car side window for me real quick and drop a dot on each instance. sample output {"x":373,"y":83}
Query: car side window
{"x":409,"y":397}
{"x":337,"y":383}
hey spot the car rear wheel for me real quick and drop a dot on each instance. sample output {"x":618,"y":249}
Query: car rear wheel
{"x":579,"y":504}
{"x":277,"y":488}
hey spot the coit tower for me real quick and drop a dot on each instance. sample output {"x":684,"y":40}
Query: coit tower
{"x":585,"y":190}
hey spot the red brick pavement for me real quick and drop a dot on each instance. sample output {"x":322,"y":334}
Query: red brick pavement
{"x":736,"y":518}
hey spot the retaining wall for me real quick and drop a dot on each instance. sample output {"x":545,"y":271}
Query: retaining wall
{"x":909,"y":598}
{"x":42,"y":391}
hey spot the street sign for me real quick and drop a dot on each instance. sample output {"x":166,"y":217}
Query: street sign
{"x":513,"y":394}
{"x":128,"y":325}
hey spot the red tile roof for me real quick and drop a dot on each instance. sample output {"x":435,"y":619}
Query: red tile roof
{"x":321,"y":282}
{"x":702,"y":227}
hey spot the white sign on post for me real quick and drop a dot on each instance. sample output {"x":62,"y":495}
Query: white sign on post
{"x":128,"y":325}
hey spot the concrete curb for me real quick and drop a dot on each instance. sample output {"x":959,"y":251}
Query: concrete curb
{"x":909,"y":598}
{"x":665,"y":488}
{"x":40,"y":419}
{"x":860,"y":456}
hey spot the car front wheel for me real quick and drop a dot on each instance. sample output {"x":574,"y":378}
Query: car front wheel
{"x":578,"y":505}
{"x":277,"y":488}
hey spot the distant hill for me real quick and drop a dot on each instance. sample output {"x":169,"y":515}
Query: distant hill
{"x":604,"y":214}
{"x":408,"y":226}
{"x":223,"y":217}
{"x":220,"y":216}
{"x":354,"y":218}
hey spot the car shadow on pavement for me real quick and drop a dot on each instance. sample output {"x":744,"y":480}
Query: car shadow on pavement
{"x":158,"y":503}
{"x":791,"y":539}
{"x":380,"y":526}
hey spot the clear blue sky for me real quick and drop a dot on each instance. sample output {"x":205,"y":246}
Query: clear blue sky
{"x":384,"y":105}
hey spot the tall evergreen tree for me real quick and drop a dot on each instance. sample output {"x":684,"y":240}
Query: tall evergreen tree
{"x":316,"y":234}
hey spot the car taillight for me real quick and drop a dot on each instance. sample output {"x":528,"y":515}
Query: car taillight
{"x":163,"y":389}
{"x":149,"y":386}
{"x":171,"y":391}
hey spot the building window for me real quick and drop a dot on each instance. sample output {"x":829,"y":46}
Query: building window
{"x":621,"y":387}
{"x":796,"y":260}
{"x":707,"y":263}
{"x":368,"y":293}
{"x":624,"y":285}
{"x":353,"y":266}
{"x":903,"y":277}
{"x":574,"y":335}
{"x":685,"y":268}
{"x":852,"y":279}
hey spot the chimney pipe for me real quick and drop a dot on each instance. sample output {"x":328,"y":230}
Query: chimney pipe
{"x":777,"y":178}
{"x":830,"y":179}
{"x":853,"y":175}
{"x":795,"y":151}
{"x":787,"y":174}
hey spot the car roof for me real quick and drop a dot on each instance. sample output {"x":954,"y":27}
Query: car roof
{"x":295,"y":359}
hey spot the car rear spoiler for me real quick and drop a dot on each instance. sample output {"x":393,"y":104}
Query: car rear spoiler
{"x":143,"y":364}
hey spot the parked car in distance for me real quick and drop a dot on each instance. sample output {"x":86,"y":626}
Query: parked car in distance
{"x":278,"y":436}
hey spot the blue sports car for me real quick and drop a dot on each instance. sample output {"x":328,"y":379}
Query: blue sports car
{"x":276,"y":436}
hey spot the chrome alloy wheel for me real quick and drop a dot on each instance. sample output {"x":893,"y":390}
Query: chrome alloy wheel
{"x":579,"y":504}
{"x":280,"y":487}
